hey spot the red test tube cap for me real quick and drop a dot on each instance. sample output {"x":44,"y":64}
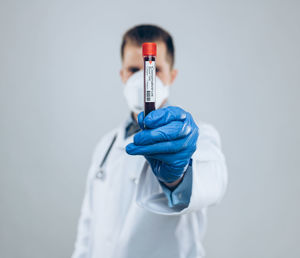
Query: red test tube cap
{"x":149,"y":49}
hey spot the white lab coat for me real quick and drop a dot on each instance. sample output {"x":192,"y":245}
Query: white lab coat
{"x":126,"y":214}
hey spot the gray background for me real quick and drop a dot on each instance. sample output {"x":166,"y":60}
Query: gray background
{"x":60,"y":92}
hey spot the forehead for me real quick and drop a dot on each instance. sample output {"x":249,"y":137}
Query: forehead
{"x":133,"y":54}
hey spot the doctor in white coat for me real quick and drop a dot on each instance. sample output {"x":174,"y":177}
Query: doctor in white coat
{"x":147,"y":191}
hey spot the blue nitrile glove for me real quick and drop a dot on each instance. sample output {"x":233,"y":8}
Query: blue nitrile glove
{"x":168,"y":141}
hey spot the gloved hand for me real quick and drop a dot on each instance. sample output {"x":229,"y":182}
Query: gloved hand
{"x":168,"y":141}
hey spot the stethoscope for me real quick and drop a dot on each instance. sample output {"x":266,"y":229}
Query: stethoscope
{"x":100,"y":174}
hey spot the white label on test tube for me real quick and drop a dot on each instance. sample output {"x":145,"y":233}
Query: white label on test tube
{"x":150,"y":81}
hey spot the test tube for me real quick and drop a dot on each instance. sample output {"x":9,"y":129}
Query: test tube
{"x":149,"y":54}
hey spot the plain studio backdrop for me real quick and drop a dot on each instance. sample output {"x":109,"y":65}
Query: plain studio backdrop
{"x":60,"y":92}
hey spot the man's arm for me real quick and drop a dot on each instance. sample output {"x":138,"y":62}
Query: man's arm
{"x":83,"y":229}
{"x":204,"y":185}
{"x":169,"y":143}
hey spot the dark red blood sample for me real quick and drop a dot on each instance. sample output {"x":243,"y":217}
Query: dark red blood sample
{"x":148,"y":106}
{"x":149,"y":54}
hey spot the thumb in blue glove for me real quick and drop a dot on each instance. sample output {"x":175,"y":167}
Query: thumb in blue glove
{"x":168,"y":142}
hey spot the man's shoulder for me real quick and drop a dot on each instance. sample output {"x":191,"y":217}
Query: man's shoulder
{"x":109,"y":134}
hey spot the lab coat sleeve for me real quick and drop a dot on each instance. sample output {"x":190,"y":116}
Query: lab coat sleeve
{"x":83,"y":239}
{"x":181,"y":195}
{"x":208,"y":178}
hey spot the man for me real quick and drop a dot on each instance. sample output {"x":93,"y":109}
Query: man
{"x":148,"y":189}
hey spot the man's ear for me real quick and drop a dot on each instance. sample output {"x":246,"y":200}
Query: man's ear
{"x":174,"y":73}
{"x":122,"y":75}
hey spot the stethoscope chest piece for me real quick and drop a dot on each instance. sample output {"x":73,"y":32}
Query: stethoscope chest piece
{"x":100,"y":174}
{"x":101,"y":171}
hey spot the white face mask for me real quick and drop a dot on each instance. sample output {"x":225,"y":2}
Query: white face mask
{"x":134,"y":92}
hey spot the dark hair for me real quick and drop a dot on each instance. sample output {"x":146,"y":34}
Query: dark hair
{"x":149,"y":33}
